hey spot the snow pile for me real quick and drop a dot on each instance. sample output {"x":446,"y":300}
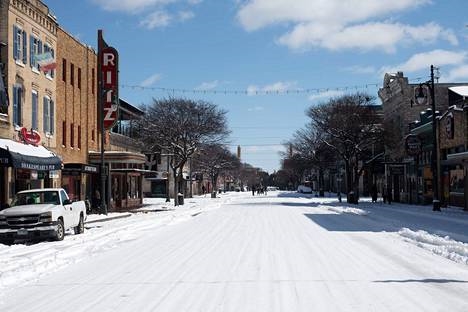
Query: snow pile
{"x":349,"y":210}
{"x":443,"y":246}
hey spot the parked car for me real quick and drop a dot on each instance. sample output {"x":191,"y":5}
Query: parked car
{"x":41,"y":213}
{"x":304,"y":189}
{"x":272,"y":188}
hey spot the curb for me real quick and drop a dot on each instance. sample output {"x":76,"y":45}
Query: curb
{"x":109,"y":218}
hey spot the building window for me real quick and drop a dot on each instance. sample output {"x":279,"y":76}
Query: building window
{"x":48,"y":111}
{"x":93,"y":135}
{"x":35,"y":46}
{"x":79,"y":136}
{"x":20,"y":53}
{"x":79,"y":78}
{"x":34,"y":110}
{"x":93,"y":81}
{"x":72,"y":135}
{"x":17,"y":104}
{"x":64,"y":133}
{"x":72,"y":74}
{"x":64,"y":70}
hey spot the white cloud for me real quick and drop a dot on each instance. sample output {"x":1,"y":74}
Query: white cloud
{"x":151,"y":80}
{"x":341,"y":24}
{"x":162,"y":15}
{"x":363,"y":37}
{"x":327,"y":94}
{"x":210,"y":85}
{"x":130,"y":5}
{"x":185,"y":15}
{"x":277,"y":87}
{"x":457,"y":74}
{"x":157,"y":19}
{"x":423,"y":61}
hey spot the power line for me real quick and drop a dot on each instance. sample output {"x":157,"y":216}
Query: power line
{"x":249,"y":92}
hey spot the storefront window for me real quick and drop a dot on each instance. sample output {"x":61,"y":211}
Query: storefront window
{"x":457,"y":181}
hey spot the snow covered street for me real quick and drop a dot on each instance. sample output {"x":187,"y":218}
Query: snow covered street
{"x":281,"y":252}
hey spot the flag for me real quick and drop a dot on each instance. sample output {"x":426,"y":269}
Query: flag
{"x":46,"y":61}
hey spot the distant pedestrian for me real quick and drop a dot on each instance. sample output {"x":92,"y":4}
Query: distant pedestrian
{"x":203,"y":188}
{"x":374,"y":193}
{"x":253,"y":190}
{"x":389,"y":195}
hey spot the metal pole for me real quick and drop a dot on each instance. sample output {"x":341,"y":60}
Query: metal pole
{"x":101,"y":125}
{"x":168,"y":199}
{"x":191,"y":190}
{"x":435,"y":158}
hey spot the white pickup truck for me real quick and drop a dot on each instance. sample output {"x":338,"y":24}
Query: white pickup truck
{"x":41,"y":213}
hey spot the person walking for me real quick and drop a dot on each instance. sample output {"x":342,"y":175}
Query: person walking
{"x":374,"y":193}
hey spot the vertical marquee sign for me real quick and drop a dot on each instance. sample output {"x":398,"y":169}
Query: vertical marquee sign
{"x":108,"y":104}
{"x":108,"y":59}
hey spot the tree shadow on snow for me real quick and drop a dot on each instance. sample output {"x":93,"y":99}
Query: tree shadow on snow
{"x":346,"y":222}
{"x":425,"y":280}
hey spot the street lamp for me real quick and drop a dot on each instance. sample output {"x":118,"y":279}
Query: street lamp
{"x":421,"y":98}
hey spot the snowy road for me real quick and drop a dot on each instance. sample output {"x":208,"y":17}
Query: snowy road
{"x":261,"y":254}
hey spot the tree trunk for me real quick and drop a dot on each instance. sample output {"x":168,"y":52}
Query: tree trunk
{"x":176,"y":187}
{"x":214,"y":183}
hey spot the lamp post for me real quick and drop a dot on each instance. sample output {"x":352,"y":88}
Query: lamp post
{"x":420,"y":99}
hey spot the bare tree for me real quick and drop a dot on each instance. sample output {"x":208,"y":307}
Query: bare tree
{"x":350,"y":126}
{"x":308,"y":145}
{"x":214,"y":159}
{"x":179,"y":127}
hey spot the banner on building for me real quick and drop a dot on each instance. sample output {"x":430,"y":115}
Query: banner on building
{"x":46,"y":61}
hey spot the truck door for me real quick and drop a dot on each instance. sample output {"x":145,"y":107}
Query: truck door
{"x":68,"y":210}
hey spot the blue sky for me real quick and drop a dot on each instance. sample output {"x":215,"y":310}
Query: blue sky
{"x":274,"y":58}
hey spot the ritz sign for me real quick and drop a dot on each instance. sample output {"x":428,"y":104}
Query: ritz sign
{"x":109,"y":61}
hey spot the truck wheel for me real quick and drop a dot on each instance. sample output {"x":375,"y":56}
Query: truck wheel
{"x":79,"y":229}
{"x":60,"y":231}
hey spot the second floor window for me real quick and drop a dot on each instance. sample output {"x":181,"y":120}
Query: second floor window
{"x":17,"y":104}
{"x":48,"y":117}
{"x":20,"y":44}
{"x":34,"y":110}
{"x":35,"y":46}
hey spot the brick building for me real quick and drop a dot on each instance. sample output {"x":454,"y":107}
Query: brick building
{"x":28,"y":33}
{"x":77,"y":118}
{"x":409,"y":177}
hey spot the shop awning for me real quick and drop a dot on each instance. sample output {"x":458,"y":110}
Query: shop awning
{"x":461,"y":90}
{"x":26,"y":156}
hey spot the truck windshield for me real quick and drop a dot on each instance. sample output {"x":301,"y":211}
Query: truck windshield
{"x":36,"y":198}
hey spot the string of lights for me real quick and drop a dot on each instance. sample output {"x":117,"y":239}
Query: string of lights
{"x":249,"y":91}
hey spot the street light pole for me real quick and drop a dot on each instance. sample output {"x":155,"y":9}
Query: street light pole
{"x":420,"y":97}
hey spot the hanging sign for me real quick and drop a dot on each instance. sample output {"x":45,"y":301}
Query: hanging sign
{"x":109,"y":65}
{"x":413,"y":145}
{"x":31,"y":137}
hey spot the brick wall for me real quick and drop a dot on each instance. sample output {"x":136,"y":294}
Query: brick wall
{"x":76,"y":99}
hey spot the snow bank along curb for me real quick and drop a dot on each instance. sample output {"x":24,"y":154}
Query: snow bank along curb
{"x":109,"y":218}
{"x":442,"y":246}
